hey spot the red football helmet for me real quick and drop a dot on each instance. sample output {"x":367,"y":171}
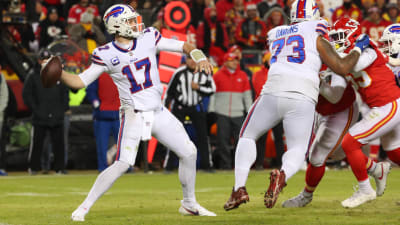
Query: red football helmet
{"x":344,"y":33}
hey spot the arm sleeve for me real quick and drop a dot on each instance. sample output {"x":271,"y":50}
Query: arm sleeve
{"x":171,"y":45}
{"x":92,"y":73}
{"x":322,"y":28}
{"x":333,"y":90}
{"x":366,"y":59}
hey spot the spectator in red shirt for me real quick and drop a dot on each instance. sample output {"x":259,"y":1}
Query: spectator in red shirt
{"x":235,"y":49}
{"x":76,"y":10}
{"x":223,"y":6}
{"x":212,"y":37}
{"x":374,"y":25}
{"x":347,"y":9}
{"x":232,"y":19}
{"x":230,"y":102}
{"x":260,"y":77}
{"x":251,"y":31}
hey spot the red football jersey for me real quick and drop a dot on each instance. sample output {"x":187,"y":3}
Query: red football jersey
{"x":324,"y":107}
{"x":376,"y":83}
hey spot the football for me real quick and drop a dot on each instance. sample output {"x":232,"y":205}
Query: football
{"x":51,"y":72}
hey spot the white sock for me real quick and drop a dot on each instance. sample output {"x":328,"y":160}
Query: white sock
{"x":292,"y":160}
{"x":104,"y":182}
{"x":246,"y":153}
{"x":187,"y":177}
{"x":365,"y":186}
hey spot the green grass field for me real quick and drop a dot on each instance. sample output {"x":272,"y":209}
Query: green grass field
{"x":155,"y":198}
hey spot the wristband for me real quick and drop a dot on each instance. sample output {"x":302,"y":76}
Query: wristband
{"x":357,"y":49}
{"x":197,"y":55}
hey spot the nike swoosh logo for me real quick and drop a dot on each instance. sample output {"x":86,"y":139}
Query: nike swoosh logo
{"x":195,"y":213}
{"x":380,"y":178}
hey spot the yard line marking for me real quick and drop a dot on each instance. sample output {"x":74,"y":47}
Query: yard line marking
{"x":33,"y":194}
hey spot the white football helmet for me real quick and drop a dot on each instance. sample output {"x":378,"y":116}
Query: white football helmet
{"x":391,"y":39}
{"x":123,"y":20}
{"x":304,"y":10}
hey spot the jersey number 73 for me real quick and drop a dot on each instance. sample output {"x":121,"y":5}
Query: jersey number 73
{"x":296,"y":42}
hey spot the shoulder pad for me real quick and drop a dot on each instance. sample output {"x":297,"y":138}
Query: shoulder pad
{"x":322,"y":27}
{"x":97,"y":54}
{"x":153,"y":31}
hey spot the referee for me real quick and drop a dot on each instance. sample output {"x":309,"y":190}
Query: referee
{"x":184,"y":96}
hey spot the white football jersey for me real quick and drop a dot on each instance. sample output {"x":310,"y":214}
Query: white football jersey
{"x":295,"y":60}
{"x":396,"y":71}
{"x":134,"y":70}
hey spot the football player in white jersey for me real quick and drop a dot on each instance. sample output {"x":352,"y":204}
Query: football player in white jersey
{"x":289,"y":95}
{"x":131,"y":62}
{"x":391,"y":47}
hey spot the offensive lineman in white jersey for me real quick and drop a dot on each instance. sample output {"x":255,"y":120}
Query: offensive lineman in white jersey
{"x":391,"y":47}
{"x":289,"y":95}
{"x":131,"y":62}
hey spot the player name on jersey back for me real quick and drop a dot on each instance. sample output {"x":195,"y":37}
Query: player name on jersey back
{"x":295,"y":60}
{"x":286,"y":31}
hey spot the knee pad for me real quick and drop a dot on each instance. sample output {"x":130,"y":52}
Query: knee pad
{"x":349,"y":143}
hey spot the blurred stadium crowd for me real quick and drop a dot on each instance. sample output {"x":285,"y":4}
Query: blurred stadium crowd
{"x":226,"y":30}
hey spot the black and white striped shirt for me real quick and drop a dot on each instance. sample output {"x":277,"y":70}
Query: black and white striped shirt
{"x":180,"y":88}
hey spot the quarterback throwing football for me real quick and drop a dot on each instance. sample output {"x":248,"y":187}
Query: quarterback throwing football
{"x":130,"y":59}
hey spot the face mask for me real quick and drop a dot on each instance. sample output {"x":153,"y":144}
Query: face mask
{"x":213,"y":19}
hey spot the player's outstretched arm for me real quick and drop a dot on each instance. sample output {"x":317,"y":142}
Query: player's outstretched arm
{"x":337,"y":64}
{"x":71,"y":80}
{"x":202,"y":63}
